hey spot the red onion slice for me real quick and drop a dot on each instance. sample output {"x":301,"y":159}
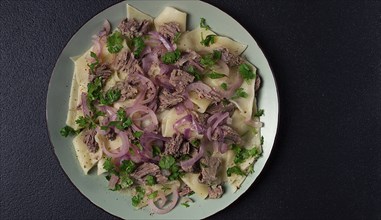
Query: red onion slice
{"x":85,"y":108}
{"x":220,"y":119}
{"x":171,"y":205}
{"x":166,"y":43}
{"x":113,"y":181}
{"x":123,"y":148}
{"x":188,"y":163}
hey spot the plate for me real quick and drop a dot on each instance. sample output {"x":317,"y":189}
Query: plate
{"x":95,"y":187}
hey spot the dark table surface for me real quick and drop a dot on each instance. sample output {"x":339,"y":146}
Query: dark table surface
{"x":326,"y":58}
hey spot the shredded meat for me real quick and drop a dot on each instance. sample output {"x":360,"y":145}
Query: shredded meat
{"x":90,"y":141}
{"x":180,"y":79}
{"x":221,"y":107}
{"x":125,"y":62}
{"x":230,"y":59}
{"x":168,"y":99}
{"x":169,"y":30}
{"x":111,"y":135}
{"x":215,"y":192}
{"x":103,"y":71}
{"x":173,"y":145}
{"x":148,"y":169}
{"x":185,"y":148}
{"x":226,"y":133}
{"x":128,"y":88}
{"x":209,"y":167}
{"x":185,"y":191}
{"x":133,"y":28}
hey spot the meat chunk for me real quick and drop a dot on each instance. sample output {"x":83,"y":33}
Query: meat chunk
{"x":103,"y":71}
{"x":173,"y":145}
{"x":203,"y":118}
{"x":169,"y":30}
{"x":221,"y":108}
{"x":90,"y":141}
{"x":225,"y":133}
{"x":230,"y":59}
{"x":257,"y":83}
{"x":125,"y":62}
{"x":180,"y":79}
{"x":185,"y":191}
{"x":215,"y":192}
{"x":185,"y":148}
{"x":168,"y":100}
{"x":111,"y":135}
{"x":209,"y":168}
{"x":128,"y":88}
{"x":133,"y":28}
{"x":148,"y":169}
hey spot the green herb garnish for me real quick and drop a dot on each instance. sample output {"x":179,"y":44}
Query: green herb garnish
{"x":246,"y":72}
{"x":194,"y":72}
{"x":240,"y":93}
{"x":235,"y":170}
{"x":167,"y":162}
{"x":92,"y":66}
{"x":139,"y":196}
{"x":224,"y":86}
{"x":209,"y":40}
{"x":203,"y":24}
{"x":171,"y":57}
{"x":115,"y":42}
{"x":128,"y":166}
{"x":177,"y":37}
{"x":67,"y":130}
{"x":185,"y":204}
{"x":215,"y":75}
{"x":156,"y":150}
{"x":150,"y":180}
{"x":138,"y":44}
{"x":153,"y":195}
{"x":242,"y":154}
{"x":137,"y":134}
{"x":110,"y":97}
{"x":259,"y":113}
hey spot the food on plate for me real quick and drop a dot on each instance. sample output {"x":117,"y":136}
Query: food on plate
{"x":165,"y":113}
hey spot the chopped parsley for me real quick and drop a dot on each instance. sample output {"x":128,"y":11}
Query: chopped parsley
{"x":185,"y":204}
{"x":194,"y":72}
{"x":217,"y":54}
{"x":110,"y":97}
{"x":138,"y":44}
{"x":127,"y":166}
{"x":177,"y":37}
{"x":171,"y":57}
{"x":86,"y":122}
{"x":167,"y":162}
{"x":235,"y":170}
{"x":125,"y":181}
{"x":209,"y":40}
{"x":138,"y":197}
{"x":259,"y":113}
{"x":246,"y":72}
{"x":210,"y":59}
{"x":215,"y":75}
{"x":242,"y":154}
{"x":108,"y":165}
{"x":115,"y":42}
{"x":224,"y":86}
{"x":92,"y":66}
{"x":240,"y":93}
{"x":196,"y":142}
{"x":94,"y":89}
{"x":67,"y":130}
{"x":203,"y":24}
{"x":150,"y":180}
{"x":137,"y":134}
{"x":123,"y":122}
{"x":153,"y":195}
{"x":155,"y":150}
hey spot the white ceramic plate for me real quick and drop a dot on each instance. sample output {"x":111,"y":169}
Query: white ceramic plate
{"x":95,"y":187}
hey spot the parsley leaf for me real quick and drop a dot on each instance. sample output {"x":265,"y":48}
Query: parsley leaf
{"x":150,"y":180}
{"x":235,"y":170}
{"x":194,"y":72}
{"x":259,"y":113}
{"x":196,"y":142}
{"x":209,"y":40}
{"x":240,"y":93}
{"x":246,"y":72}
{"x":138,"y":197}
{"x":217,"y":54}
{"x":215,"y":75}
{"x":86,"y":122}
{"x":137,"y":134}
{"x":224,"y":86}
{"x":115,"y":42}
{"x":171,"y":57}
{"x":156,"y":150}
{"x":138,"y":44}
{"x":92,"y":66}
{"x":108,"y":165}
{"x":127,"y":166}
{"x":125,"y":181}
{"x":177,"y":37}
{"x":185,"y":204}
{"x":166,"y":162}
{"x":67,"y":130}
{"x":153,"y":195}
{"x":203,"y":24}
{"x":94,"y":89}
{"x":242,"y":154}
{"x":110,"y":97}
{"x":210,"y":59}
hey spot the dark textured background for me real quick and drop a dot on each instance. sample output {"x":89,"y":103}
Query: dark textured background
{"x":326,"y":58}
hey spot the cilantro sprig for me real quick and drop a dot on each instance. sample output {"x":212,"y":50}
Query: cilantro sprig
{"x":240,"y":93}
{"x":138,"y":44}
{"x":246,"y":72}
{"x":203,"y":24}
{"x":171,"y":57}
{"x":235,"y":170}
{"x":169,"y":163}
{"x":68,"y":131}
{"x":215,"y":75}
{"x":209,"y":40}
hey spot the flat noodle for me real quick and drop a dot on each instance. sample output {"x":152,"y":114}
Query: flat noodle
{"x":191,"y":179}
{"x":133,"y":13}
{"x":86,"y":159}
{"x":201,"y":104}
{"x":170,"y":14}
{"x":169,"y":120}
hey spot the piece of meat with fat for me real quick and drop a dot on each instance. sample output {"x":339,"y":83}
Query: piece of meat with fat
{"x":125,"y":62}
{"x":128,"y":88}
{"x":221,"y":108}
{"x":168,"y":99}
{"x":229,"y":58}
{"x":209,"y":168}
{"x":215,"y":192}
{"x":186,"y":190}
{"x":134,"y":28}
{"x":175,"y":146}
{"x":169,"y":30}
{"x":89,"y":140}
{"x":225,"y":133}
{"x":179,"y":79}
{"x":148,"y":169}
{"x":103,"y":71}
